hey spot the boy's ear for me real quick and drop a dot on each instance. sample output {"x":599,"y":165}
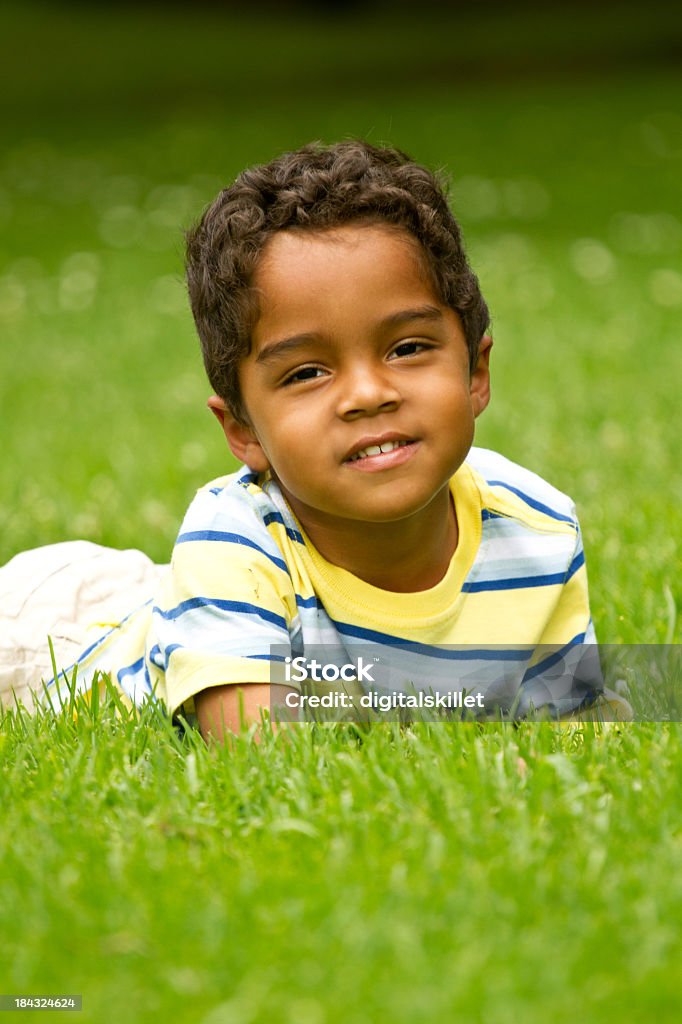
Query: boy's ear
{"x":241,"y":438}
{"x":479,"y":387}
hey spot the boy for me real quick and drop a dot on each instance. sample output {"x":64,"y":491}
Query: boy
{"x":344,"y":335}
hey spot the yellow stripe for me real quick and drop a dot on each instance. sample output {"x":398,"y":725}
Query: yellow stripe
{"x":506,"y":503}
{"x":194,"y":671}
{"x":232,"y":572}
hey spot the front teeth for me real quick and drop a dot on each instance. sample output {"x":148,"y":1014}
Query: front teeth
{"x":378,"y":449}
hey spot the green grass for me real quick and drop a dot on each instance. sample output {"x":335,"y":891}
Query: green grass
{"x":431,"y":873}
{"x":425,"y":874}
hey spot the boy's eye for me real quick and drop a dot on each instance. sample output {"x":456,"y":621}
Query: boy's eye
{"x":408,"y":348}
{"x":303,"y":373}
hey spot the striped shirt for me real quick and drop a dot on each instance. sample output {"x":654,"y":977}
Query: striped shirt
{"x":246,"y":589}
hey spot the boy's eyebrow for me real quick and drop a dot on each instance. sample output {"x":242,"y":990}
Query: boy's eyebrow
{"x":403,"y":316}
{"x":280,"y":348}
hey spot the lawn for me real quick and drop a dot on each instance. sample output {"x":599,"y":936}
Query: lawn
{"x":426,"y":874}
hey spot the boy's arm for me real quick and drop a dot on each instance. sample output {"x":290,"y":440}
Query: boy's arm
{"x":227,"y":709}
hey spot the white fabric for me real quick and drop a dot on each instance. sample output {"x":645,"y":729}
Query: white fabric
{"x":69,"y":592}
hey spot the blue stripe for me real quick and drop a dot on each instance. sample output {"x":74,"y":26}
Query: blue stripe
{"x":276,"y":517}
{"x":156,"y":657}
{"x":542,"y":666}
{"x":487,"y":514}
{"x":532,"y":502}
{"x":309,"y":602}
{"x":167,"y":654}
{"x":515,"y":584}
{"x":129,"y":670}
{"x":229,"y":538}
{"x":249,"y":477}
{"x":455,"y":654}
{"x":265,"y":657}
{"x":225,"y":606}
{"x":576,"y":564}
{"x":82,"y":657}
{"x":518,"y":583}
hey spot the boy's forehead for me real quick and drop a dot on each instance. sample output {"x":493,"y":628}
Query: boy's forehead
{"x":353,"y":251}
{"x":342,"y":286}
{"x":355,"y":234}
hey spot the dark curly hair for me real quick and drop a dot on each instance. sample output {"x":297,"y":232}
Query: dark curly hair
{"x":315,"y":188}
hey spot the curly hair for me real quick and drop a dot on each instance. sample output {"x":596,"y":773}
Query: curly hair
{"x":316,"y":187}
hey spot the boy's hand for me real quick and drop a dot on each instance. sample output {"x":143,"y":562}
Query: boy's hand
{"x":228,"y":709}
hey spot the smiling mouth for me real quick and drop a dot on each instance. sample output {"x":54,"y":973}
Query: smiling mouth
{"x":386,"y":455}
{"x":378,"y":449}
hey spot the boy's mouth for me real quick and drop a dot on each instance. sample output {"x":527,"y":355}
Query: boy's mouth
{"x":380,"y":452}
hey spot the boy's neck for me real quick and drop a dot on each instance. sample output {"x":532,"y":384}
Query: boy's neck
{"x":407,"y":556}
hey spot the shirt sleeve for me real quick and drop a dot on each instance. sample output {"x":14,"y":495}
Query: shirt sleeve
{"x":227,"y":601}
{"x":564,"y":673}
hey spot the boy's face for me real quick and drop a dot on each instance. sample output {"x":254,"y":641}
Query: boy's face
{"x":352,"y":351}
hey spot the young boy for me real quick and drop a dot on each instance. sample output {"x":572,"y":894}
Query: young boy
{"x":344,"y":336}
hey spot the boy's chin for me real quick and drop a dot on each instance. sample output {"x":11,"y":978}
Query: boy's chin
{"x":392,"y":514}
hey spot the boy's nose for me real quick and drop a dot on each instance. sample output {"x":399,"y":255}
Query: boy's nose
{"x":367,"y":392}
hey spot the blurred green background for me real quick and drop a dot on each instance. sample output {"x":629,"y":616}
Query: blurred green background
{"x":561,"y":130}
